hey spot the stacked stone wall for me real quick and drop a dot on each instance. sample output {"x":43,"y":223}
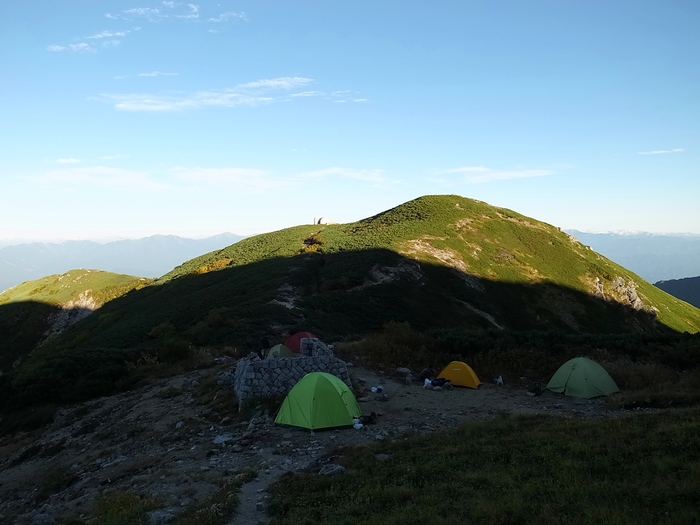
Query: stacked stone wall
{"x":264,"y":378}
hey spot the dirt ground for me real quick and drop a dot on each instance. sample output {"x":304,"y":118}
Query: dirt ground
{"x":166,"y":442}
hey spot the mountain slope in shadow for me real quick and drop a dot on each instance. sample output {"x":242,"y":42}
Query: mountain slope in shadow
{"x":687,"y":289}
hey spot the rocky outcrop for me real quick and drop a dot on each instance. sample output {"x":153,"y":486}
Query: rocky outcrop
{"x":627,"y":293}
{"x":70,"y":313}
{"x":621,"y":291}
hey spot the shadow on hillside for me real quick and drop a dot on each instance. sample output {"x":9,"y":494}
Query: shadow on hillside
{"x":336,"y":296}
{"x":22,"y":326}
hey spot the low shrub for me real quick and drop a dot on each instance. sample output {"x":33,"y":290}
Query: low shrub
{"x":635,"y":375}
{"x":122,"y":508}
{"x":219,"y":508}
{"x":396,"y":345}
{"x":528,"y":469}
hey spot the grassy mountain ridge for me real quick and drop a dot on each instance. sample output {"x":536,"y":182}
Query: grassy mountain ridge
{"x":464,"y":250}
{"x":64,"y":288}
{"x":472,"y":237}
{"x":34,"y":310}
{"x":469,"y":263}
{"x":437,"y":262}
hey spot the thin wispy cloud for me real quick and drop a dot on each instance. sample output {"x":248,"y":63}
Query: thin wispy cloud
{"x":201,"y":99}
{"x":103,"y":177}
{"x":165,"y":10}
{"x":152,"y":14}
{"x":74,"y":48}
{"x":308,"y":94}
{"x":105,"y":39}
{"x":660,"y":151}
{"x":157,"y":74}
{"x":277,"y":83}
{"x":108,"y":34}
{"x":481,"y":174}
{"x":142,"y":11}
{"x":172,"y":10}
{"x":66,"y":161}
{"x":342,"y":96}
{"x":254,"y":93}
{"x":228,"y":16}
{"x":193,"y":13}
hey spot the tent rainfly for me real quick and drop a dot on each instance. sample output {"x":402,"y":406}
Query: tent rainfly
{"x":293,"y":342}
{"x":319,"y":400}
{"x":582,"y":377}
{"x":460,"y":374}
{"x":280,"y":351}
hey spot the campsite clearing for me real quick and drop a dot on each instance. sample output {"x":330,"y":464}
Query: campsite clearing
{"x":173,"y":444}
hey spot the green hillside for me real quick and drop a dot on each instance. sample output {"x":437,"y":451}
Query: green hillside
{"x":484,"y":247}
{"x":35,"y":309}
{"x":61,"y":289}
{"x":436,"y":263}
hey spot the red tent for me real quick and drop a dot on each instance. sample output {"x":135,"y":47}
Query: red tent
{"x":293,"y":342}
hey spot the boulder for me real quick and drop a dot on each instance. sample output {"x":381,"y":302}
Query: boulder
{"x":331,"y":469}
{"x":43,"y":519}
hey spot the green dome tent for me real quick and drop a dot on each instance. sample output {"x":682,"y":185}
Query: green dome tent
{"x":581,"y":377}
{"x":319,"y":400}
{"x":280,"y":351}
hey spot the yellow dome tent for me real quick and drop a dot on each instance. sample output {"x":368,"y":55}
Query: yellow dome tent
{"x":460,"y":374}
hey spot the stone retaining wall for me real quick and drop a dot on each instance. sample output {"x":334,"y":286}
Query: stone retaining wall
{"x":263,"y":378}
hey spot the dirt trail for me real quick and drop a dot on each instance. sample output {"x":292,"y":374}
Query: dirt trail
{"x":253,"y":495}
{"x":165,"y":442}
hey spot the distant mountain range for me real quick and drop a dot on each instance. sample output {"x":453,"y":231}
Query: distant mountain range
{"x":654,"y":257}
{"x":148,"y":257}
{"x":686,"y":289}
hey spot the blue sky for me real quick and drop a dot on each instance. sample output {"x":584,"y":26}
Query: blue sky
{"x":123,"y":119}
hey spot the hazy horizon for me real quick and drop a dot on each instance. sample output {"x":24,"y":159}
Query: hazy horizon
{"x":103,"y":240}
{"x":4,"y":242}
